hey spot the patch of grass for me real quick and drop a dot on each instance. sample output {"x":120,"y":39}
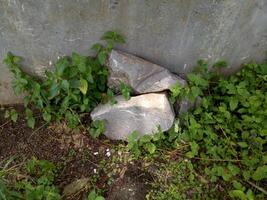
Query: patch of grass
{"x":178,"y":180}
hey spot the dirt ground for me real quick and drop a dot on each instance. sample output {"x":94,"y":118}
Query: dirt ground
{"x":76,"y":155}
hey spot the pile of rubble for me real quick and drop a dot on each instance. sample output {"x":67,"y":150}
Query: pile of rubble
{"x":149,"y":108}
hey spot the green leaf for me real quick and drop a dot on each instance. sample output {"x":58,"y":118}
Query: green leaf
{"x":83,"y":86}
{"x":220,"y":64}
{"x":72,"y":119}
{"x":97,"y":47}
{"x":243,"y":144}
{"x":126,"y":91}
{"x":7,"y":114}
{"x":145,"y":139}
{"x":79,"y":61}
{"x":97,"y":128}
{"x":13,"y":115}
{"x":250,"y":195}
{"x":260,"y":173}
{"x":133,"y":137}
{"x":113,"y":36}
{"x":65,"y":85}
{"x":92,"y":195}
{"x":233,"y":104}
{"x":47,"y":116}
{"x":197,"y":80}
{"x":195,"y":92}
{"x":175,"y":92}
{"x":99,"y":198}
{"x":61,"y":65}
{"x":150,"y":147}
{"x":111,"y":97}
{"x":102,"y":57}
{"x":53,"y":91}
{"x":31,"y":122}
{"x":238,"y":194}
{"x":194,"y":150}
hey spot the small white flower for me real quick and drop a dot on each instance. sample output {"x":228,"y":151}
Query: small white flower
{"x":95,"y":153}
{"x":58,"y":57}
{"x":95,"y":171}
{"x":50,"y":63}
{"x":107,"y":149}
{"x":108,"y":154}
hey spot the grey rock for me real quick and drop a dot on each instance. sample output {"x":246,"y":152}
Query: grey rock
{"x":128,"y":189}
{"x":76,"y":186}
{"x":141,"y":75}
{"x":185,"y":105}
{"x":143,"y":113}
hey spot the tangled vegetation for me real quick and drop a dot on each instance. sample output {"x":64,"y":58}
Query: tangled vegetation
{"x":222,"y":142}
{"x":225,"y":137}
{"x":76,"y":84}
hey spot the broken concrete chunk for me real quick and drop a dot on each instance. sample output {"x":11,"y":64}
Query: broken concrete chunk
{"x":141,"y":75}
{"x":142,"y":113}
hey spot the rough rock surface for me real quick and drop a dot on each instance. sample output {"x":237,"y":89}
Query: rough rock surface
{"x":185,"y":105}
{"x":141,"y":75}
{"x":129,"y":189}
{"x":142,"y":113}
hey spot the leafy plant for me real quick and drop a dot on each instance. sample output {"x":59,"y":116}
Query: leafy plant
{"x":178,"y":180}
{"x":227,"y":133}
{"x":224,"y":138}
{"x":111,"y":97}
{"x":175,"y":92}
{"x":94,"y":196}
{"x":76,"y":84}
{"x":147,"y":143}
{"x":37,"y":183}
{"x":97,"y":128}
{"x":126,"y":91}
{"x":41,"y":186}
{"x":12,"y":114}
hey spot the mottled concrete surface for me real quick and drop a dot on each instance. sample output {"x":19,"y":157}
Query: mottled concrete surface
{"x":171,"y":33}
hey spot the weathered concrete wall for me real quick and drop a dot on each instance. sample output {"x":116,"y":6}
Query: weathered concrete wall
{"x":173,"y":33}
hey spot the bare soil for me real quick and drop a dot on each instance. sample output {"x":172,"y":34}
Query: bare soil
{"x":73,"y":153}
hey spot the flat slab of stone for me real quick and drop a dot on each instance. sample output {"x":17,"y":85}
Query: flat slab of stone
{"x":141,"y":75}
{"x":143,"y":113}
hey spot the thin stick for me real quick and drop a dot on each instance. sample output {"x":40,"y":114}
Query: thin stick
{"x":5,"y":123}
{"x":40,"y":127}
{"x":210,"y":159}
{"x":257,"y":187}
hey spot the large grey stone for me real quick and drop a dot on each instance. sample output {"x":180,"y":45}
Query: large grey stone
{"x":143,"y":113}
{"x":141,"y":75}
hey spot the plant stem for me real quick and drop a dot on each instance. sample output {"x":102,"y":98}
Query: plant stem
{"x":257,"y":187}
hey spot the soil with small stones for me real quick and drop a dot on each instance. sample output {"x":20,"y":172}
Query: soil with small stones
{"x":73,"y":153}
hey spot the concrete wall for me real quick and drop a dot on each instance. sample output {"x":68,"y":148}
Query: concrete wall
{"x":173,"y":33}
